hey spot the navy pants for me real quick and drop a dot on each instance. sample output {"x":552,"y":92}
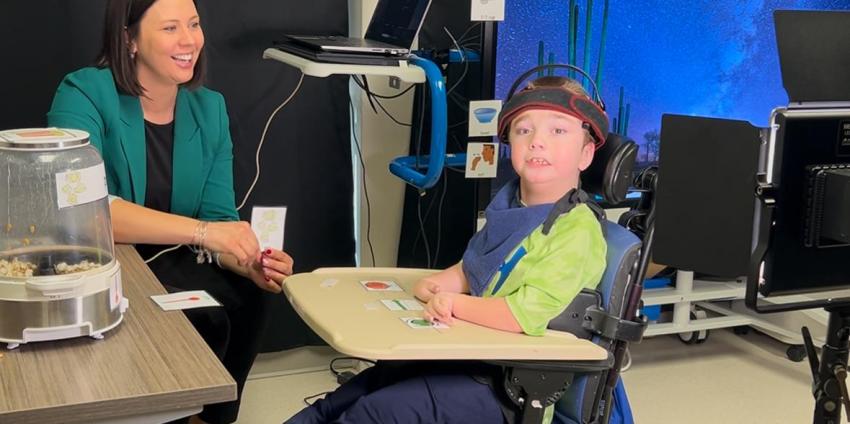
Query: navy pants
{"x":410,"y":392}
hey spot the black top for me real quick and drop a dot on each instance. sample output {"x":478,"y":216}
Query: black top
{"x":159,"y":143}
{"x":159,"y":140}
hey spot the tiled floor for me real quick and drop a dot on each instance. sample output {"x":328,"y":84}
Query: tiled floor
{"x":728,"y":379}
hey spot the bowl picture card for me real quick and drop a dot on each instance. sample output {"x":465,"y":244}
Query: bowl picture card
{"x":484,"y":118}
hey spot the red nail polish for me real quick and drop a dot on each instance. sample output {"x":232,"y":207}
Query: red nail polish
{"x":268,"y":279}
{"x":268,"y":252}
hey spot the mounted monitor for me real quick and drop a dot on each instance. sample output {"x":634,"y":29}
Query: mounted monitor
{"x":801,"y":242}
{"x":803,"y":213}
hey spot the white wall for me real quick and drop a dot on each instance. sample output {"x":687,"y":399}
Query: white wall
{"x":381,"y":141}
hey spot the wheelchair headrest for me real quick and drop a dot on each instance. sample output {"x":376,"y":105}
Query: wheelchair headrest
{"x":610,"y":173}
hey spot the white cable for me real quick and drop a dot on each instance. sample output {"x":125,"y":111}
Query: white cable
{"x":172,"y":248}
{"x":459,"y":50}
{"x":462,"y":59}
{"x":256,"y":161}
{"x":263,"y":139}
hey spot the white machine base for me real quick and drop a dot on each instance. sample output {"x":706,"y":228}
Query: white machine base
{"x":66,"y":332}
{"x":94,"y":305}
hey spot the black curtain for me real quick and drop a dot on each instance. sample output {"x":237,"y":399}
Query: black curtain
{"x":306,"y":158}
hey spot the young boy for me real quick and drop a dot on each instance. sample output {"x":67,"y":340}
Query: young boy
{"x":540,"y":247}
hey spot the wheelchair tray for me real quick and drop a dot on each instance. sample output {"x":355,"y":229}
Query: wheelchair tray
{"x":337,"y":305}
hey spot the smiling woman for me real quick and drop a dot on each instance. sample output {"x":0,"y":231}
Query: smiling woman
{"x":165,"y":47}
{"x":165,"y":142}
{"x":165,"y":30}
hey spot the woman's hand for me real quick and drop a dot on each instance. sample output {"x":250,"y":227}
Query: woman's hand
{"x":235,"y":238}
{"x":276,"y":265}
{"x":271,"y":269}
{"x":425,"y":289}
{"x":440,"y":308}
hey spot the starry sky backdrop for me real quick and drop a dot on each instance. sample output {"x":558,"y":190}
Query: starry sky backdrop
{"x":699,"y":57}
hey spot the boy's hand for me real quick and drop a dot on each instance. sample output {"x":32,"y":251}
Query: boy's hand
{"x":440,"y":308}
{"x":425,"y":289}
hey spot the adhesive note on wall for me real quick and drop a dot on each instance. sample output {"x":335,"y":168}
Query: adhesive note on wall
{"x":488,"y":10}
{"x":484,"y":118}
{"x":481,"y":160}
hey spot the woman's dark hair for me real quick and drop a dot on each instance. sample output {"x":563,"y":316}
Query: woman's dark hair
{"x":124,"y":15}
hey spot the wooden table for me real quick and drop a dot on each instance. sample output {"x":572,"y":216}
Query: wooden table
{"x":153,"y":367}
{"x":334,"y":303}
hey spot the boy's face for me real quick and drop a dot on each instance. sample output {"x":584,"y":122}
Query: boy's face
{"x":548,"y":149}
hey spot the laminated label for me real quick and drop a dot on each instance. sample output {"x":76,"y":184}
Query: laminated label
{"x":80,"y":186}
{"x":116,"y":292}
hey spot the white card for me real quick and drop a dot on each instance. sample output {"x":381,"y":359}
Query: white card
{"x":380,"y":285}
{"x":402,"y":304}
{"x":488,"y":10}
{"x":484,"y":117}
{"x":481,"y":160}
{"x":80,"y":186}
{"x":268,"y":224}
{"x":330,"y":282}
{"x":420,"y":323}
{"x":185,"y":300}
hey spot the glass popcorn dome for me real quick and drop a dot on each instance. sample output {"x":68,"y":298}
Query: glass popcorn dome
{"x":55,"y":211}
{"x":55,"y":234}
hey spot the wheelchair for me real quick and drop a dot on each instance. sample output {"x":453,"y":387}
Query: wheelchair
{"x":592,"y":392}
